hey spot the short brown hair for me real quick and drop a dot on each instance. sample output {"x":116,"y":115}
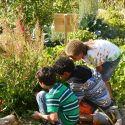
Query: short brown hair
{"x":75,"y":47}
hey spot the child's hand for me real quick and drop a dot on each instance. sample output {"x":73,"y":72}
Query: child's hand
{"x":36,"y":115}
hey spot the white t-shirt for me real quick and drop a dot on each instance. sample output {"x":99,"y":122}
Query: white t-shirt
{"x":101,"y":51}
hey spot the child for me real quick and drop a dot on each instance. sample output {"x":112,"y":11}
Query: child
{"x":58,"y":104}
{"x":102,"y":54}
{"x":85,"y":82}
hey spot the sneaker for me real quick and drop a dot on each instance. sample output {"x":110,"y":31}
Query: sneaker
{"x":118,"y":122}
{"x":101,"y":118}
{"x":115,"y":115}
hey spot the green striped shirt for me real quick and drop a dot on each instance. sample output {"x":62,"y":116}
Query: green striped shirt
{"x":62,"y":100}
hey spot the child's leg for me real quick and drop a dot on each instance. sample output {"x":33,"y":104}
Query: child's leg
{"x":41,"y":101}
{"x":107,"y":72}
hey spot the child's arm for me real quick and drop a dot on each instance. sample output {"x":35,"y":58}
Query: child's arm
{"x":52,"y":117}
{"x":99,"y":68}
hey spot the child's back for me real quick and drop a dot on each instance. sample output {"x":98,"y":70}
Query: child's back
{"x":101,"y":51}
{"x":87,"y":83}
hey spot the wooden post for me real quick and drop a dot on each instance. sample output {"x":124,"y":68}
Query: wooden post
{"x":65,"y":30}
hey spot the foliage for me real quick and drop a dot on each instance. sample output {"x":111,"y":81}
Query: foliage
{"x":52,"y":38}
{"x":65,"y":6}
{"x":107,"y":24}
{"x":115,"y":21}
{"x":21,"y":60}
{"x":50,"y":54}
{"x":118,"y":80}
{"x":82,"y":35}
{"x":17,"y":77}
{"x":18,"y":83}
{"x":87,"y":7}
{"x":118,"y":41}
{"x":36,"y":10}
{"x":97,"y":26}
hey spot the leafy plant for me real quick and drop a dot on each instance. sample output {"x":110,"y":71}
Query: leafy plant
{"x":82,"y":35}
{"x":17,"y":76}
{"x":118,"y":79}
{"x":107,"y":24}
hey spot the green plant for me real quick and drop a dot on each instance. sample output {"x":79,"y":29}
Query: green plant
{"x":18,"y":80}
{"x":17,"y":76}
{"x":82,"y":35}
{"x":118,"y":80}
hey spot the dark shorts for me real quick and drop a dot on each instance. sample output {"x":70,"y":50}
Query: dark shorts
{"x":109,"y":68}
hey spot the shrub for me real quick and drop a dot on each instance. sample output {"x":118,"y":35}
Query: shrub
{"x":17,"y":77}
{"x":82,"y":35}
{"x":118,"y":80}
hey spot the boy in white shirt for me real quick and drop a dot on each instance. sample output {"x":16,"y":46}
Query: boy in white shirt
{"x":102,"y":54}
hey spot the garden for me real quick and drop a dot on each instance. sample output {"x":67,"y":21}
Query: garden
{"x":28,"y":41}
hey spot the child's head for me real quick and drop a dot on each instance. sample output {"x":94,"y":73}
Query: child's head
{"x":76,"y":50}
{"x":64,"y":67}
{"x":46,"y":77}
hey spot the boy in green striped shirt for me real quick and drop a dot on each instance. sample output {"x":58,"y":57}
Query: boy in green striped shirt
{"x":57,"y":104}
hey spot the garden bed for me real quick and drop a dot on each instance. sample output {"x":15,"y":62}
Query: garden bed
{"x":27,"y":120}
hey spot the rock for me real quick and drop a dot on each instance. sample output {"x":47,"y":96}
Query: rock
{"x":9,"y":120}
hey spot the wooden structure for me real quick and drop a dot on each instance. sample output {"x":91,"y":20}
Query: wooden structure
{"x":65,"y":23}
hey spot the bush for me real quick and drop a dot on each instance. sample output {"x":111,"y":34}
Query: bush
{"x":17,"y":77}
{"x":82,"y":35}
{"x":107,"y":24}
{"x":118,"y":80}
{"x":18,"y":83}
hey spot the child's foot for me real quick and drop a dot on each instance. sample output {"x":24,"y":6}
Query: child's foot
{"x":115,"y":111}
{"x":119,"y":122}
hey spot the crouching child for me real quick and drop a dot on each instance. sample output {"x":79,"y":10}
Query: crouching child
{"x":57,"y":104}
{"x":89,"y":87}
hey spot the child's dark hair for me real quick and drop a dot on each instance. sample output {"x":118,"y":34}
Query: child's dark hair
{"x":46,"y":75}
{"x":64,"y":64}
